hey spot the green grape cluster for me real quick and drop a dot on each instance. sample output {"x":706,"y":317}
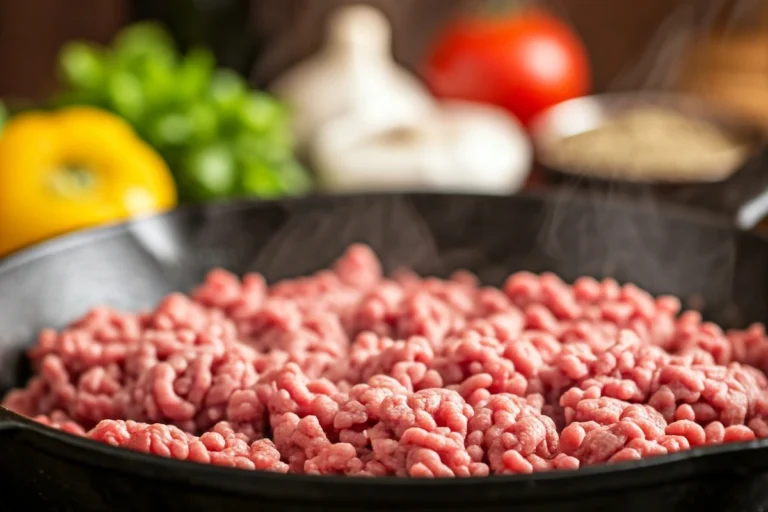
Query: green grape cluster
{"x":219,"y":137}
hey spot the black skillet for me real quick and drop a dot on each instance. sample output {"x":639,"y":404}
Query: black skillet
{"x":664,"y":249}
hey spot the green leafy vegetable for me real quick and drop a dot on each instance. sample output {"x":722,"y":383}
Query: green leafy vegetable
{"x":3,"y":116}
{"x":83,"y":66}
{"x":219,"y":137}
{"x":126,"y":95}
{"x":208,"y":172}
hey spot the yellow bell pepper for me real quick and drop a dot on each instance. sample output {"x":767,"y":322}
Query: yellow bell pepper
{"x":74,"y":168}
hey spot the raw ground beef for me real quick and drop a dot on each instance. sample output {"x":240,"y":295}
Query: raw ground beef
{"x":349,"y":372}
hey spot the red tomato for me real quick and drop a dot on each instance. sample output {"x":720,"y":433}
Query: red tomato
{"x":524,"y":63}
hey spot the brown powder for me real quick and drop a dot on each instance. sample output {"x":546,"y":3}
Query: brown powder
{"x":651,"y":144}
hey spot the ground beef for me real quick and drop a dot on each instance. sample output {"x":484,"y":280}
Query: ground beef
{"x":350,"y":372}
{"x":221,"y":445}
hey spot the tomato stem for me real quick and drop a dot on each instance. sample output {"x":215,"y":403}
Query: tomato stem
{"x":496,"y":8}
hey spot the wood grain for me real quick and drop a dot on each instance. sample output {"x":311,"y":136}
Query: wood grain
{"x":621,"y":36}
{"x":33,"y":31}
{"x":616,"y":33}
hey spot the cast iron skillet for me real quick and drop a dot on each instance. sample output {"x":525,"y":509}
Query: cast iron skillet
{"x":131,"y":266}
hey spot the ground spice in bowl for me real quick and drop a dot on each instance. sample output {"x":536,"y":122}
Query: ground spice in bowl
{"x":650,"y":144}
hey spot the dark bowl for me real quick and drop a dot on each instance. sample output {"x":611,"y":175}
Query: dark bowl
{"x":738,"y":192}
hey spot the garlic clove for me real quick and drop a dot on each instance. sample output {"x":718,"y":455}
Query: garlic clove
{"x":462,"y":147}
{"x":353,"y":73}
{"x":360,"y":28}
{"x":350,"y":156}
{"x":485,"y":149}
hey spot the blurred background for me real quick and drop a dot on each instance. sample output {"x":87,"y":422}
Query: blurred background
{"x":268,"y":98}
{"x":261,"y":38}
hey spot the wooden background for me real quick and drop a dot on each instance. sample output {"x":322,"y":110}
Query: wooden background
{"x":622,"y":36}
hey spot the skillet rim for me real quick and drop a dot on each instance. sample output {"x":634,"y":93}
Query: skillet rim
{"x":694,"y":216}
{"x":643,"y":472}
{"x":622,"y":476}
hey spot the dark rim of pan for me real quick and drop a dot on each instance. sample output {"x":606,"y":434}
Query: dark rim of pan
{"x":664,"y":209}
{"x":606,"y":477}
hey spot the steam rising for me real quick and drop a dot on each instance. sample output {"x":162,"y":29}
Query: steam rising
{"x":661,"y":248}
{"x":310,"y":240}
{"x":644,"y":243}
{"x":660,"y":63}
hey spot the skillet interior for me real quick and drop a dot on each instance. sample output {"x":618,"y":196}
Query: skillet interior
{"x":132,"y":266}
